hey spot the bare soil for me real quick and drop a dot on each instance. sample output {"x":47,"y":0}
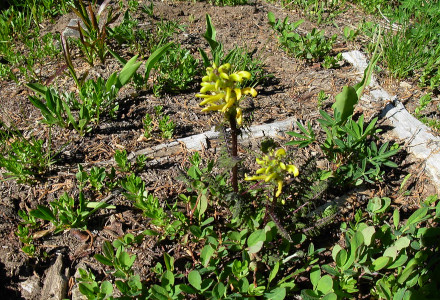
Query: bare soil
{"x":291,"y":92}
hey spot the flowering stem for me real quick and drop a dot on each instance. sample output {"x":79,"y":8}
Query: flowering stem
{"x":234,"y":152}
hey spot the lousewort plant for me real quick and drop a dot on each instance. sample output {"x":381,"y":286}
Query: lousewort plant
{"x":221,"y":92}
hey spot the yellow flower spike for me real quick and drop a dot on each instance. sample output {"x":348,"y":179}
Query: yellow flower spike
{"x":254,"y":177}
{"x":244,"y":74}
{"x":282,"y":166}
{"x":248,"y":90}
{"x":212,"y":99}
{"x":235,"y":77}
{"x":293,"y":170}
{"x":280,"y":188}
{"x":270,"y":177}
{"x":217,"y":84}
{"x":237,"y":93}
{"x":212,"y":77}
{"x":205,"y":78}
{"x":226,"y":67}
{"x":203,"y":95}
{"x":259,"y":161}
{"x":229,"y":99}
{"x":280,"y":152}
{"x":260,"y":171}
{"x":269,"y":169}
{"x":239,"y":116}
{"x":224,"y":75}
{"x":207,"y":88}
{"x":213,"y":108}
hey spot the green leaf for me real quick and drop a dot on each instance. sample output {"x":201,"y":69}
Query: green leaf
{"x":309,"y":295}
{"x":325,"y":284}
{"x":103,"y":260}
{"x":159,"y":292}
{"x":368,"y":234}
{"x":315,"y":276}
{"x":219,"y":290}
{"x":43,"y":212}
{"x":36,"y":87}
{"x":273,"y":272}
{"x":128,"y":71}
{"x":195,"y":279}
{"x":341,"y":258}
{"x":278,"y":293}
{"x":167,"y":279}
{"x":380,"y":263}
{"x":391,"y":252}
{"x":396,"y":217}
{"x":398,"y":262}
{"x":106,"y":288}
{"x":345,"y":102}
{"x":256,"y":240}
{"x":206,"y":254}
{"x":154,"y":57}
{"x":330,"y":296}
{"x":202,"y":205}
{"x":416,"y":217}
{"x":402,"y":242}
{"x":169,"y":261}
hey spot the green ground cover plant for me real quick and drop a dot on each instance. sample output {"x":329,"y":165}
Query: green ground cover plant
{"x":313,"y":46}
{"x":25,"y":159}
{"x":247,"y":231}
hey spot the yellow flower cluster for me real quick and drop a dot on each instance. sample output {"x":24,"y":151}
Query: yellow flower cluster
{"x":220,"y":91}
{"x":273,"y":169}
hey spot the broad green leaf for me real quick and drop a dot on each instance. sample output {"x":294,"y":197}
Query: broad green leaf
{"x":278,"y":293}
{"x":195,"y":279}
{"x":330,"y":296}
{"x":380,"y":263}
{"x":355,"y":243}
{"x":103,"y":260}
{"x":273,"y":272}
{"x":398,"y":262}
{"x":169,"y":261}
{"x":341,"y":258}
{"x":219,"y":290}
{"x":416,"y":217}
{"x":128,"y":71}
{"x":107,"y":288}
{"x":315,"y":276}
{"x":167,"y":280}
{"x":159,"y":292}
{"x":154,"y":57}
{"x":39,"y":88}
{"x":335,"y":251}
{"x":402,"y":242}
{"x":325,"y":284}
{"x":391,"y":252}
{"x":256,"y":240}
{"x":202,"y":205}
{"x":368,"y":234}
{"x":43,"y":212}
{"x":345,"y":102}
{"x":309,"y":295}
{"x":206,"y":254}
{"x":396,"y":218}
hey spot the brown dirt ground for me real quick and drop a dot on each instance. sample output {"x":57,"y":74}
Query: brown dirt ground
{"x":292,"y":92}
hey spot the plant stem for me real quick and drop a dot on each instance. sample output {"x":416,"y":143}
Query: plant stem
{"x":234,"y":152}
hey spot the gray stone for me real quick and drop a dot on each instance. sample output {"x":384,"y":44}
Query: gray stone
{"x":55,"y":282}
{"x":70,"y":32}
{"x":31,"y":287}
